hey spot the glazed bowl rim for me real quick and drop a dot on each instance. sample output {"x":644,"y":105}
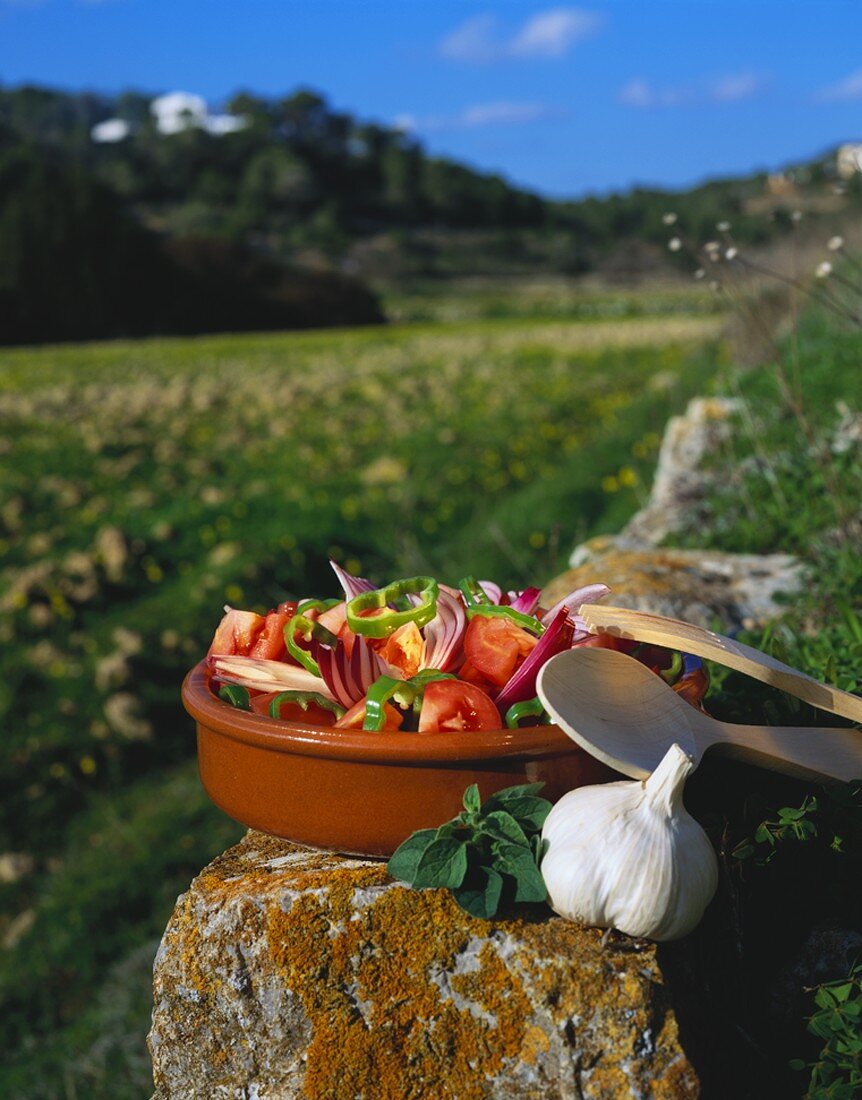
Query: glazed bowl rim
{"x":279,"y":735}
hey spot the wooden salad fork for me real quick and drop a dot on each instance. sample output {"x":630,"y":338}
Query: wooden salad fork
{"x":640,"y":626}
{"x":623,"y":714}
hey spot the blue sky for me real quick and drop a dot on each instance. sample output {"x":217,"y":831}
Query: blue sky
{"x":563,"y":98}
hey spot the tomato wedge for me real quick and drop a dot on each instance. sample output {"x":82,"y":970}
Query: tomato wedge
{"x":269,"y":644}
{"x":474,"y":676}
{"x":356,"y":716}
{"x":236,"y":633}
{"x":452,"y":705}
{"x":293,"y":712}
{"x":493,"y":646}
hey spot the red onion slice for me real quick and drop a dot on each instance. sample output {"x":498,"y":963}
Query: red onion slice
{"x":493,"y":591}
{"x":348,"y":678}
{"x":352,"y":585}
{"x":590,"y":593}
{"x":526,"y":601}
{"x":522,"y":684}
{"x":444,"y":633}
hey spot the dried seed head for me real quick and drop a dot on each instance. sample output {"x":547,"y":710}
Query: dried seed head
{"x":835,"y":244}
{"x":674,"y":244}
{"x":824,"y":270}
{"x":669,"y":218}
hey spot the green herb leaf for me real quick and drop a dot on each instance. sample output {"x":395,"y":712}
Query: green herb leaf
{"x":539,"y":847}
{"x":530,"y":812}
{"x":405,"y":859}
{"x":481,"y":852}
{"x":480,"y":895}
{"x":472,"y":799}
{"x":521,"y":865}
{"x":504,"y":827}
{"x":498,"y":801}
{"x":443,"y":863}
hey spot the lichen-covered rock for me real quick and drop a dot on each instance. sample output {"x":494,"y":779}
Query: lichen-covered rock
{"x":700,"y":586}
{"x":291,"y":973}
{"x":682,"y":479}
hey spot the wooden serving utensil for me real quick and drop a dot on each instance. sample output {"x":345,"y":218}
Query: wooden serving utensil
{"x":627,"y":717}
{"x":640,"y":626}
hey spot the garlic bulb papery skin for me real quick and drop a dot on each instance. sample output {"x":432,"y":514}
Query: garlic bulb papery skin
{"x":628,"y":855}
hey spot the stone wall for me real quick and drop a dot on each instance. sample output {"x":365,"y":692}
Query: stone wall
{"x":706,"y":587}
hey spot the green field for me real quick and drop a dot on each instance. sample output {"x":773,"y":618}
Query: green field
{"x":144,"y":484}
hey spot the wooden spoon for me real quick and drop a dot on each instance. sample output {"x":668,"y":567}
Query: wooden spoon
{"x":625,"y":715}
{"x":641,"y":626}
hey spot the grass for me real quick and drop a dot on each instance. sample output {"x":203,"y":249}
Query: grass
{"x":571,"y":299}
{"x":144,"y":484}
{"x":791,"y":480}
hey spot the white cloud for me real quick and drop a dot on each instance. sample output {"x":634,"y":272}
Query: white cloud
{"x":736,"y":87}
{"x":640,"y":93}
{"x":503,"y":112}
{"x":547,"y":34}
{"x":731,"y":88}
{"x":474,"y":40}
{"x":845,"y":91}
{"x":553,"y":33}
{"x":499,"y":113}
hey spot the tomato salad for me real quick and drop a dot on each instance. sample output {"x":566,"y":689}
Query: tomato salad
{"x":414,"y":655}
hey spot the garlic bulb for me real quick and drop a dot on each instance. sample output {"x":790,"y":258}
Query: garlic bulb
{"x":628,"y":855}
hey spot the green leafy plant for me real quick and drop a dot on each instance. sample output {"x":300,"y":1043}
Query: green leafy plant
{"x":490,"y":853}
{"x":837,"y":1073}
{"x":794,"y":823}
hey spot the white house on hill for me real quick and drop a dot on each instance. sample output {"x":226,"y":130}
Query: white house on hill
{"x":173,"y":113}
{"x":849,"y":160}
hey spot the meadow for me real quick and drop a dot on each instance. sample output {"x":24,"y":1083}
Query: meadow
{"x":145,"y":484}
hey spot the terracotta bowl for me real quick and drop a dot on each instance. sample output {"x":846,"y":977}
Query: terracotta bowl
{"x":363,"y":793}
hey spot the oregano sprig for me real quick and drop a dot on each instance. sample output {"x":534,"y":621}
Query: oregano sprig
{"x":489,"y":854}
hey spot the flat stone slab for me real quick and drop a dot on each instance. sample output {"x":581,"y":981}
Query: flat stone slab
{"x":700,"y":586}
{"x":286,"y":972}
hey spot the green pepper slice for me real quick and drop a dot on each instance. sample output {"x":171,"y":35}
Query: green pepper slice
{"x":671,"y":675}
{"x":405,"y":692}
{"x":304,"y":699}
{"x":307,"y":629}
{"x":474,"y":594}
{"x":530,"y":708}
{"x":388,"y":620}
{"x":501,"y":611}
{"x":235,"y":695}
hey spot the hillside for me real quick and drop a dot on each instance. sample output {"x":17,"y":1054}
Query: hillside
{"x":301,"y":188}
